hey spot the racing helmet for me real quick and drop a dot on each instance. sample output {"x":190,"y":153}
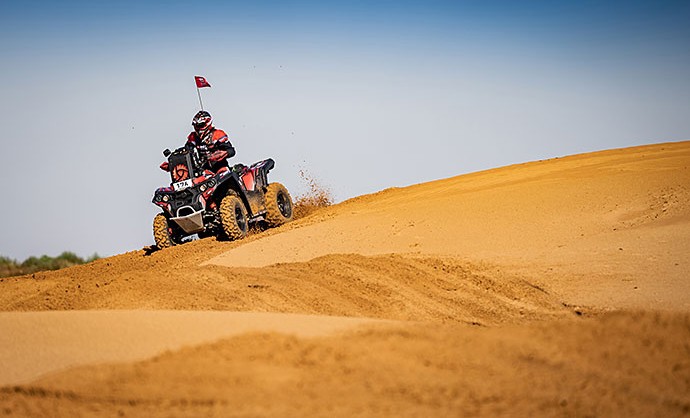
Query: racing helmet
{"x":202,"y":121}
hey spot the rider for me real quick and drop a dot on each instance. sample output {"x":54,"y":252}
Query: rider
{"x":210,"y":141}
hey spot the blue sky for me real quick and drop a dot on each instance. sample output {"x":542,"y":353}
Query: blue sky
{"x":363,"y":95}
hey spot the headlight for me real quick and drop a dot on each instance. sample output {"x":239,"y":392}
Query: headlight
{"x":166,"y":198}
{"x":202,"y":187}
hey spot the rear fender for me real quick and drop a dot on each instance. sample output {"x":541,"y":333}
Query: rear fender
{"x":249,"y":183}
{"x":256,"y":175}
{"x":231,"y":181}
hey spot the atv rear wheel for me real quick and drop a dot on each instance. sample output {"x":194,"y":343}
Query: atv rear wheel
{"x":161,"y":232}
{"x":233,"y":216}
{"x":278,"y":205}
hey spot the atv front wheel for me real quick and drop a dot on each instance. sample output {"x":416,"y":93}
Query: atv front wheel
{"x":161,"y":232}
{"x":233,"y":216}
{"x":278,"y":205}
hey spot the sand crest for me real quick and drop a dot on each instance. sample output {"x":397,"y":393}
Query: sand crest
{"x":550,"y":288}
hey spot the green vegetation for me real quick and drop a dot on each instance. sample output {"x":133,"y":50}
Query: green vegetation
{"x":9,"y":267}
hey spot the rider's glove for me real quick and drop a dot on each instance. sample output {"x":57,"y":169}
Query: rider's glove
{"x":165,"y":166}
{"x":219,"y":155}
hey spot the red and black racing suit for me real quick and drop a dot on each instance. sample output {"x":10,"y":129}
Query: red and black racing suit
{"x":215,"y":144}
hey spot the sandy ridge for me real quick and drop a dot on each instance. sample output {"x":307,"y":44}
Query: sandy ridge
{"x":569,"y":274}
{"x":36,"y":343}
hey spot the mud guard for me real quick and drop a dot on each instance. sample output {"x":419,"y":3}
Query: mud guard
{"x":256,"y":179}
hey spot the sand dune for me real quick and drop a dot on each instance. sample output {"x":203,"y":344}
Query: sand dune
{"x":632,"y":364}
{"x":622,"y":210}
{"x":36,"y":343}
{"x":557,"y":288}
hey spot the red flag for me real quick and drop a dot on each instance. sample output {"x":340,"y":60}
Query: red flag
{"x":201,"y":82}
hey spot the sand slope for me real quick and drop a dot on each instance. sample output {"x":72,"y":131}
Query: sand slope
{"x":59,"y":340}
{"x":626,"y":211}
{"x":557,"y":288}
{"x":617,"y":365}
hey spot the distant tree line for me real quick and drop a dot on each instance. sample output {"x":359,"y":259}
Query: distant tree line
{"x":9,"y":267}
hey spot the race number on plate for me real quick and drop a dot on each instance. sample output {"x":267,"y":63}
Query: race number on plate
{"x":182,"y":185}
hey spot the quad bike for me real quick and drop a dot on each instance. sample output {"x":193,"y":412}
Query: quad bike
{"x":222,"y":204}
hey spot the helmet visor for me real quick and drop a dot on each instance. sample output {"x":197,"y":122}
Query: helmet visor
{"x":201,"y":122}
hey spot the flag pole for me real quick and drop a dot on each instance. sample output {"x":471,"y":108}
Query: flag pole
{"x":200,"y":102}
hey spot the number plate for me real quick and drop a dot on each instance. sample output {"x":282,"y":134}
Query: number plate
{"x":182,"y":185}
